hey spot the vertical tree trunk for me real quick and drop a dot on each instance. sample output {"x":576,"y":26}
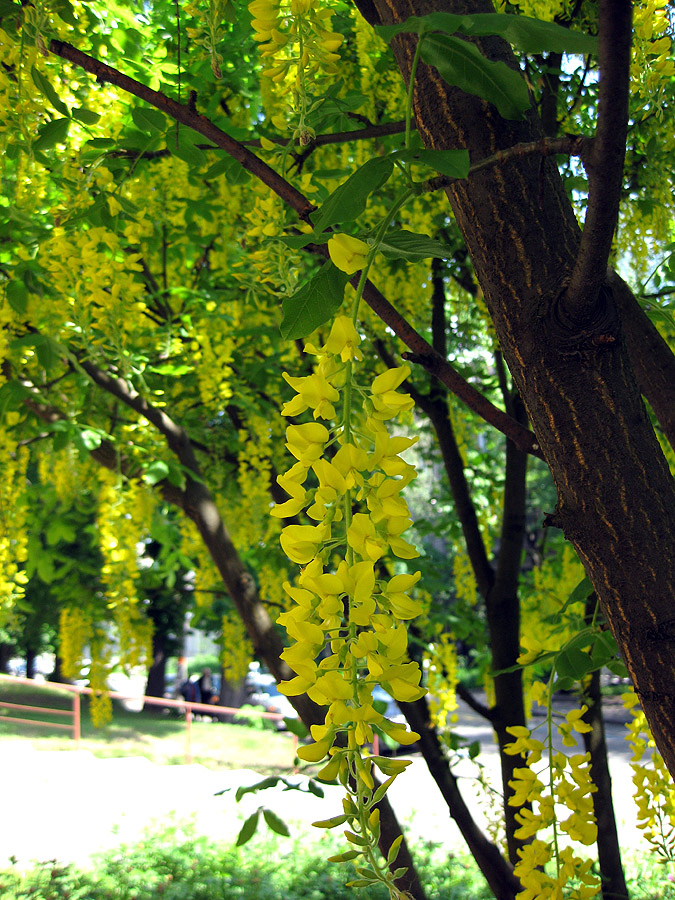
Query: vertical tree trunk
{"x":609,"y":852}
{"x":156,"y":682}
{"x":6,"y":651}
{"x":616,"y":496}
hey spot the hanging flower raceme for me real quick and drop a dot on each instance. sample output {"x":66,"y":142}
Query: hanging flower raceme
{"x":347,"y":620}
{"x":563,"y":783}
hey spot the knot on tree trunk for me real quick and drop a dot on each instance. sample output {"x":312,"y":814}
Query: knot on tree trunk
{"x":597,"y":329}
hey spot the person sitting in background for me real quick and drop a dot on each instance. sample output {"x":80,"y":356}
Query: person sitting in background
{"x":205,"y":686}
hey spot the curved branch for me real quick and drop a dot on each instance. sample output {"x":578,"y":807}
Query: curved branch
{"x":185,"y":115}
{"x":423,"y":353}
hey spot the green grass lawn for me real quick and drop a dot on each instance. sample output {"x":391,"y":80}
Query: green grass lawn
{"x":159,"y":736}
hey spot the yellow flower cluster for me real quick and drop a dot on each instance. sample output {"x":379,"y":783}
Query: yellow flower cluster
{"x":441,"y":658}
{"x":652,"y":65}
{"x":565,"y":782}
{"x":654,"y":791}
{"x":237,"y":649}
{"x":541,"y":9}
{"x":347,"y":623}
{"x":252,"y":523}
{"x":74,"y":633}
{"x":351,"y":610}
{"x":294,"y":35}
{"x":13,"y":538}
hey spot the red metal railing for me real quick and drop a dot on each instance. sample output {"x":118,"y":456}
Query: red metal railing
{"x":188,"y":707}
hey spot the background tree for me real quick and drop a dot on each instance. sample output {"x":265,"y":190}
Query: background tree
{"x":143,"y":272}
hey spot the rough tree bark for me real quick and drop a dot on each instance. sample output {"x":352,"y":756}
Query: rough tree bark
{"x":567,"y":352}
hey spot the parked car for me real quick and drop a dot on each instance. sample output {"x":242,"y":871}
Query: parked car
{"x":257,"y":681}
{"x":274,"y":702}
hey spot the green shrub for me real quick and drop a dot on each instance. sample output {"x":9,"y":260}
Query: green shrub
{"x":175,"y":864}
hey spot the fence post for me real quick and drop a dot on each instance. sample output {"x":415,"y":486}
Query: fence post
{"x":76,"y":718}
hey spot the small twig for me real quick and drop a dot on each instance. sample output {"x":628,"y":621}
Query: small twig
{"x":568,"y":145}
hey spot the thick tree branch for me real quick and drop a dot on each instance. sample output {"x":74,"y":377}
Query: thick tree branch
{"x":651,"y":357}
{"x":465,"y":694}
{"x":425,"y":355}
{"x":605,"y":163}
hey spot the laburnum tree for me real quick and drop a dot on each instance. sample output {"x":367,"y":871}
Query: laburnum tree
{"x":223,"y":225}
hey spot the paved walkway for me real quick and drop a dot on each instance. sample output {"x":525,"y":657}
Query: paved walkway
{"x":67,"y":805}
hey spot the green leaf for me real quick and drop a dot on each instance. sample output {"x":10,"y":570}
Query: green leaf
{"x":383,"y":788}
{"x":314,"y":303}
{"x":45,"y":568}
{"x":298,"y":241}
{"x":248,"y":829}
{"x":618,"y":668}
{"x":333,"y":822}
{"x":64,"y":9}
{"x":402,"y":244}
{"x":44,"y":86}
{"x":235,"y":173}
{"x":296,"y":726}
{"x":156,"y":472}
{"x":275,"y":823}
{"x":9,"y":8}
{"x":349,"y":200}
{"x":87,"y":116}
{"x":474,"y":749}
{"x":527,"y":34}
{"x":315,"y":788}
{"x":17,"y":296}
{"x":100,"y":143}
{"x":148,"y":120}
{"x":463,"y":65}
{"x":530,"y":35}
{"x":186,"y":147}
{"x":13,"y":395}
{"x":580,"y":592}
{"x":399,"y":873}
{"x":263,"y":785}
{"x":47,"y":350}
{"x":573,"y":663}
{"x":454,"y":163}
{"x":51,"y":134}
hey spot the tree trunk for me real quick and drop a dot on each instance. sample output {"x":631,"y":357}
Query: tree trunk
{"x":496,"y":870}
{"x":57,"y":675}
{"x":6,"y":651}
{"x":609,"y":852}
{"x":156,"y":683}
{"x":30,"y":663}
{"x":616,"y":497}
